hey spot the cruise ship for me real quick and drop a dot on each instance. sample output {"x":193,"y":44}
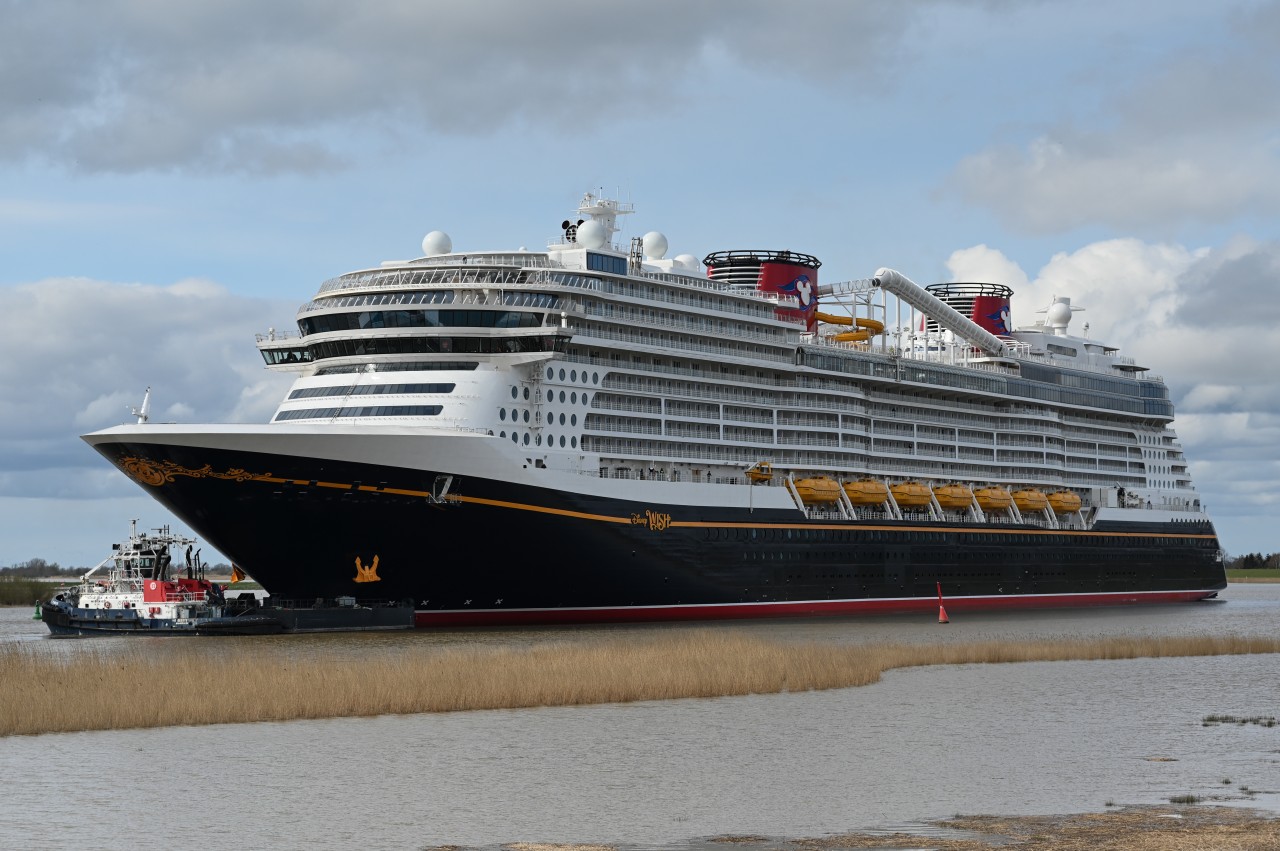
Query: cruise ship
{"x":597,"y":431}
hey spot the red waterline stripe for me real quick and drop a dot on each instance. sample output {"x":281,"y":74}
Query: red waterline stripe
{"x":735,"y":611}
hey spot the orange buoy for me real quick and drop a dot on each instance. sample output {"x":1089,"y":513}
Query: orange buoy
{"x":942,"y":611}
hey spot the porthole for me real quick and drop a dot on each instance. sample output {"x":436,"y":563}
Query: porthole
{"x":503,"y":435}
{"x":561,"y":395}
{"x":573,"y":419}
{"x":550,"y":373}
{"x":562,"y":375}
{"x":561,"y":419}
{"x":526,"y":438}
{"x":515,"y":438}
{"x":537,"y":441}
{"x":595,"y":378}
{"x":562,"y":441}
{"x":573,"y":441}
{"x":502,"y":414}
{"x":573,"y":376}
{"x":573,"y":397}
{"x":526,"y":416}
{"x":515,"y":394}
{"x":585,"y":401}
{"x":526,"y":394}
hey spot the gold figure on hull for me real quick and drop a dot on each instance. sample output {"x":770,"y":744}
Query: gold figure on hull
{"x":367,"y":574}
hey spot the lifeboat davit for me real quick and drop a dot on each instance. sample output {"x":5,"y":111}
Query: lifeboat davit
{"x":818,"y":491}
{"x":953,"y":496}
{"x":1030,"y":499}
{"x":993,"y":499}
{"x":761,"y":471}
{"x":1064,"y":502}
{"x":866,"y":492}
{"x":911,"y":494}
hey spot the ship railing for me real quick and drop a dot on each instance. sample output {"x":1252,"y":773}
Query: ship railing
{"x":728,"y":348}
{"x":694,"y":325}
{"x":277,"y":337}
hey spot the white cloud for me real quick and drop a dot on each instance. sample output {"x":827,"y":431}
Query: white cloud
{"x":1190,"y":138}
{"x":129,"y":85}
{"x":83,"y":352}
{"x":981,"y":264}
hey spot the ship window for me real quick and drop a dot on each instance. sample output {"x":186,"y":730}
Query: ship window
{"x":526,"y":439}
{"x":550,"y":373}
{"x":573,"y":376}
{"x":514,"y":393}
{"x":595,"y":378}
{"x":515,"y":438}
{"x":573,"y":397}
{"x":562,"y":375}
{"x":562,"y":419}
{"x":502,"y":414}
{"x":526,"y":394}
{"x":526,"y":416}
{"x":562,"y":441}
{"x":573,"y":441}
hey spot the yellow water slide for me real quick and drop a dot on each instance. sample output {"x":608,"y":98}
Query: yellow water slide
{"x":867,"y":328}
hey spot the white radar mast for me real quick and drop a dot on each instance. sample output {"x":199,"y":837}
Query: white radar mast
{"x":604,"y":211}
{"x":143,"y":412}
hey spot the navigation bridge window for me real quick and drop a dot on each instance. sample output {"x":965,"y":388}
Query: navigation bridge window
{"x":419,"y":319}
{"x":299,"y":354}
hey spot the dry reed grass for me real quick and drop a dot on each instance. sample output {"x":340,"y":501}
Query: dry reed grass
{"x":1130,"y":829}
{"x":158,"y":682}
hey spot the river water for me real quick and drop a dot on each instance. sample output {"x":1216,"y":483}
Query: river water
{"x":922,"y":744}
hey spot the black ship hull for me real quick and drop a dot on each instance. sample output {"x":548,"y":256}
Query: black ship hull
{"x":485,"y":551}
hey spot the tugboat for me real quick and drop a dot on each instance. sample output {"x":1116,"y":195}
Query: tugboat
{"x":137,"y":590}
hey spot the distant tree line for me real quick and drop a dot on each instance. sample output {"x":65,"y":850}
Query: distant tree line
{"x":1254,"y":561}
{"x":37,"y":567}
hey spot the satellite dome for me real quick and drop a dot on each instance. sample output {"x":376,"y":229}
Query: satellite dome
{"x":1059,"y":315}
{"x":688,"y":261}
{"x":655,"y":245}
{"x":591,"y":234}
{"x":436,"y":242}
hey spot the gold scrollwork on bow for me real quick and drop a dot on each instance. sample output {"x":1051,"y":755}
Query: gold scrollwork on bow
{"x":156,"y":473}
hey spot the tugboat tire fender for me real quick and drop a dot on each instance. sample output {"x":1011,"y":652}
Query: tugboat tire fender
{"x":106,"y":604}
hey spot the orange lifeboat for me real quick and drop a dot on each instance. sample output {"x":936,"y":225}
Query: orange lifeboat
{"x":818,"y":491}
{"x":866,"y":492}
{"x":993,"y":498}
{"x":761,"y":471}
{"x":954,"y":496}
{"x":1030,"y":499}
{"x":911,"y":494}
{"x":1064,"y":502}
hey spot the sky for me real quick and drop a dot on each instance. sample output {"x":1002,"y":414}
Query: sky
{"x":176,"y":177}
